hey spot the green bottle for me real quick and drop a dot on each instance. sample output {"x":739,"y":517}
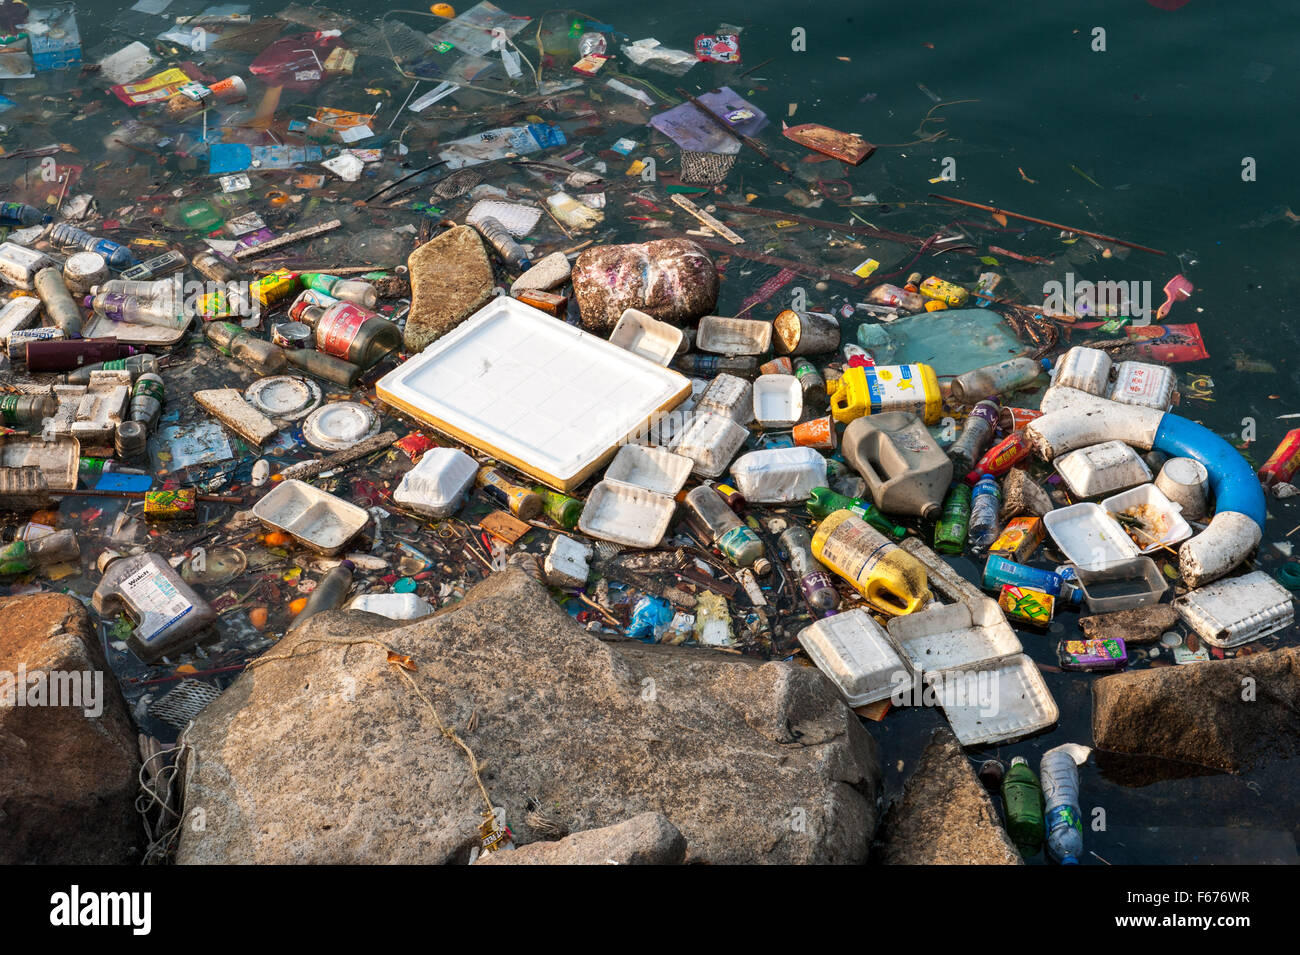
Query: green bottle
{"x":950,"y":531}
{"x":824,"y":501}
{"x":561,"y":508}
{"x":1022,"y":799}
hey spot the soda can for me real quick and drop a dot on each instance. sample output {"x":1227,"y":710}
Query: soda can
{"x":777,"y":366}
{"x":818,"y":433}
{"x":291,"y":334}
{"x":1014,"y":419}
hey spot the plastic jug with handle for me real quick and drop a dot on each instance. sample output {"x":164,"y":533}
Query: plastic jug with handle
{"x":905,"y":469}
{"x":885,"y":388}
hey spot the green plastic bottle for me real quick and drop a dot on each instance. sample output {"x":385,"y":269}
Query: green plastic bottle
{"x":950,"y":531}
{"x":561,"y":508}
{"x":824,"y":501}
{"x":1022,"y":799}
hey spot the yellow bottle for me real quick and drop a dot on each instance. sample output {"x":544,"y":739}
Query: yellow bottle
{"x":881,"y":388}
{"x":891,"y":579}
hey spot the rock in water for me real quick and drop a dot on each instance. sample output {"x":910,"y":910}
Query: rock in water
{"x":1224,"y":714}
{"x":673,"y":280}
{"x":647,"y":839}
{"x":68,"y":780}
{"x":550,"y":273}
{"x":945,"y":817}
{"x":451,"y":279}
{"x":331,"y":757}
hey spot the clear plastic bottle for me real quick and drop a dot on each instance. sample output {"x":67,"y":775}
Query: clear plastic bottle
{"x":20,"y":556}
{"x":896,"y":297}
{"x":117,"y":256}
{"x":27,"y":410}
{"x":345,"y":290}
{"x":169,"y":616}
{"x":498,"y":236}
{"x":217,"y":267}
{"x":328,"y":595}
{"x":19,"y":213}
{"x":709,"y":366}
{"x":1062,"y":818}
{"x":986,"y":501}
{"x":817,"y":586}
{"x":168,"y":290}
{"x":229,"y":339}
{"x":147,"y":399}
{"x":161,"y":313}
{"x":713,"y":518}
{"x":996,"y":379}
{"x":60,"y":306}
{"x":975,"y":435}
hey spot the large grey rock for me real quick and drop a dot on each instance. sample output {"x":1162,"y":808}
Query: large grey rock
{"x":647,"y":839}
{"x":673,"y":280}
{"x":68,"y":778}
{"x":330,"y":757}
{"x":944,"y":817}
{"x":451,"y":279}
{"x":1224,"y":714}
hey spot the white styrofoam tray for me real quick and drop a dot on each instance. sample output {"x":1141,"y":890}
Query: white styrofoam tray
{"x":1021,"y":704}
{"x":1089,"y":536}
{"x":646,"y":336}
{"x":778,"y":401}
{"x":733,"y":336}
{"x":1228,"y":613}
{"x":628,"y":515}
{"x":546,"y":398}
{"x":654,"y":469}
{"x":944,"y":636}
{"x":1150,"y":496}
{"x":1102,"y":468}
{"x":854,"y":652}
{"x":711,"y":440}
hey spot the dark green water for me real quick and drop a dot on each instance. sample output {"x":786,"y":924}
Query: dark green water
{"x":1144,"y":141}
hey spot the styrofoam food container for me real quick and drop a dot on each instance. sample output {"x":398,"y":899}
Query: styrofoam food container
{"x":778,"y":401}
{"x":314,"y":518}
{"x":731,"y":396}
{"x":1231,"y":612}
{"x":439,"y":484}
{"x":1142,"y":571}
{"x":944,"y":636}
{"x":646,"y":336}
{"x":1144,"y":384}
{"x":1024,"y":705}
{"x":855,"y":653}
{"x":1089,"y":537}
{"x":1151,"y":497}
{"x":1083,"y":368}
{"x":733,"y":336}
{"x":654,"y":469}
{"x":779,"y":475}
{"x":1102,"y":469}
{"x":625,"y":514}
{"x":711,"y":441}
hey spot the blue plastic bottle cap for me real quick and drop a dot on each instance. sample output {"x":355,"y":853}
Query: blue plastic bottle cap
{"x":1069,"y":860}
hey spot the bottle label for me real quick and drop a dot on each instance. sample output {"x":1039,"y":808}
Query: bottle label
{"x":9,"y":409}
{"x":149,"y":388}
{"x":157,"y":602}
{"x":338,"y":329}
{"x":854,"y":549}
{"x":815,"y":582}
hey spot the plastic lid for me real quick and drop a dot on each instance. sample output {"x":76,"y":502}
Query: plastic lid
{"x":762,"y":567}
{"x":105,"y":558}
{"x":1019,"y":761}
{"x":348,"y":564}
{"x":1069,"y":860}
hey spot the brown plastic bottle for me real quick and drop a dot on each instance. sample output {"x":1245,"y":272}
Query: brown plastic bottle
{"x":355,"y":334}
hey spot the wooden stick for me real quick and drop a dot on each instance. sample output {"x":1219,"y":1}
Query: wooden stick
{"x":288,"y":239}
{"x":139,"y":496}
{"x":1052,"y":225}
{"x":359,"y":450}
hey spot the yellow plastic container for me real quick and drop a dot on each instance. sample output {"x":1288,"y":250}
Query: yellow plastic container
{"x":891,"y":579}
{"x":864,"y":391}
{"x":940,"y":291}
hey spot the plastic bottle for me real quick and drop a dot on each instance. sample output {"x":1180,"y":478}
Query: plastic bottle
{"x":159,"y":265}
{"x":117,"y":256}
{"x":27,"y":410}
{"x":1002,"y":457}
{"x":147,"y":399}
{"x":328,"y":595}
{"x":975,"y":435}
{"x":710,"y":366}
{"x":891,"y":579}
{"x":217,"y":267}
{"x":323,"y":366}
{"x":21,"y":556}
{"x":823,"y":501}
{"x":904,"y":467}
{"x":718,"y":523}
{"x":817,"y":586}
{"x":999,"y":571}
{"x":950,"y":531}
{"x":137,"y":365}
{"x":60,"y":306}
{"x":498,"y":236}
{"x":996,"y":379}
{"x":523,"y":503}
{"x":229,"y":339}
{"x":168,"y":290}
{"x":1062,"y":818}
{"x":561,"y":508}
{"x":350,"y":332}
{"x":19,"y":213}
{"x":896,"y":297}
{"x":1022,"y":799}
{"x":986,"y":500}
{"x":160,"y":313}
{"x":345,"y":290}
{"x":812,"y":383}
{"x":169,"y":616}
{"x":882,"y":389}
{"x":67,"y":355}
